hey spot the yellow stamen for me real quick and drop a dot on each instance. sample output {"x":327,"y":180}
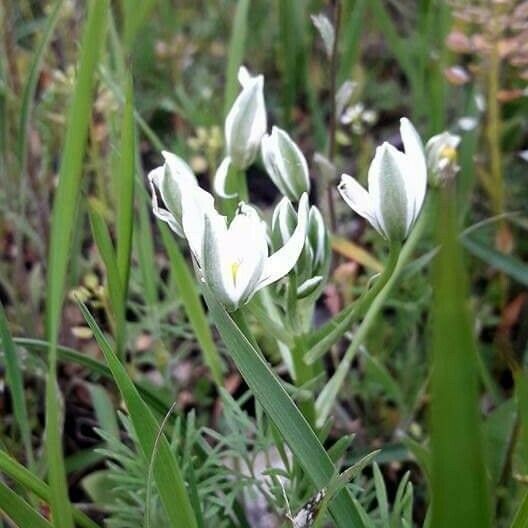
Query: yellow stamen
{"x":234,"y":270}
{"x":448,"y":153}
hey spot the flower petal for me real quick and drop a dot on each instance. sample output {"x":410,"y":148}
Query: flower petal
{"x":215,"y":265}
{"x":248,"y":250}
{"x":196,"y":205}
{"x":246,"y":122}
{"x":388,"y":191}
{"x":416,"y":177}
{"x":155,"y":178}
{"x":220,"y":179}
{"x":359,"y":200}
{"x":282,"y":261}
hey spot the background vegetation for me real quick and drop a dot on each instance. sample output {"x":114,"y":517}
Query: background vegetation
{"x":105,"y":341}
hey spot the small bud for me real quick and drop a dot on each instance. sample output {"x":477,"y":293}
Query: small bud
{"x":246,"y":122}
{"x":441,"y":154}
{"x":313,"y":264}
{"x":285,"y":164}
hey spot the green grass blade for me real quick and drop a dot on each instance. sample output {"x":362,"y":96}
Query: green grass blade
{"x":460,"y":495}
{"x":350,"y":39}
{"x":114,"y":284}
{"x":70,"y":355}
{"x":292,"y":53}
{"x":16,"y":385}
{"x":235,"y":54}
{"x":136,"y":13}
{"x":192,"y":304}
{"x":31,"y":85}
{"x":270,"y":393}
{"x":61,"y":234}
{"x":27,"y":479}
{"x":521,"y":517}
{"x":125,"y":190}
{"x":145,"y":254}
{"x":19,"y":511}
{"x":512,"y":266}
{"x":167,"y":473}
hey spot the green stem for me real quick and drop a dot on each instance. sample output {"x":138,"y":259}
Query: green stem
{"x":240,"y":320}
{"x":303,"y":373}
{"x":375,"y":301}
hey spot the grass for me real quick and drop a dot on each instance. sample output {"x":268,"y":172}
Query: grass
{"x":396,"y":391}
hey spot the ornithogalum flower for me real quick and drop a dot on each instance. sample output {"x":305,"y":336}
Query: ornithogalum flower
{"x":233,"y":258}
{"x":245,"y":125}
{"x":397,"y":182}
{"x":441,"y":153}
{"x":285,"y":164}
{"x":169,"y":179}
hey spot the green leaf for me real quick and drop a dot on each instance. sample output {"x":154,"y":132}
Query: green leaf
{"x":63,"y":221}
{"x":290,"y":422}
{"x":26,"y":478}
{"x":235,"y":54}
{"x":498,"y":431}
{"x":70,"y":355}
{"x":513,"y":267}
{"x":125,"y":209}
{"x":521,"y":517}
{"x":350,"y":40}
{"x":19,"y":511}
{"x":460,"y":494}
{"x":167,"y":473}
{"x":31,"y":86}
{"x":192,"y":304}
{"x":16,"y":385}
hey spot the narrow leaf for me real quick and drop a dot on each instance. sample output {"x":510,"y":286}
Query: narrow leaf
{"x":167,"y":473}
{"x":460,"y":495}
{"x":61,"y":235}
{"x":290,"y":422}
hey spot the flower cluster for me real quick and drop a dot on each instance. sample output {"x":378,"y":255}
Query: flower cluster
{"x":233,"y":255}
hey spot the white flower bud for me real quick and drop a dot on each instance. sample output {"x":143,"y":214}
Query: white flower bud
{"x":246,"y":122}
{"x":285,"y":164}
{"x":441,"y":154}
{"x":397,"y":183}
{"x":313,"y":263}
{"x":168,"y":180}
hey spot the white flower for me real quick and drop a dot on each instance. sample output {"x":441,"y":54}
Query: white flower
{"x":246,"y":122}
{"x":233,"y":259}
{"x":441,"y":153}
{"x":397,"y":183}
{"x":285,"y":164}
{"x":169,"y":179}
{"x":245,"y":125}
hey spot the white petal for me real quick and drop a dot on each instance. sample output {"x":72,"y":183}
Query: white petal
{"x":358,"y":199}
{"x":244,"y":77}
{"x":220,"y":179}
{"x":416,"y":178}
{"x":248,"y":250}
{"x":178,"y":166}
{"x":274,"y":163}
{"x":282,"y":261}
{"x":246,"y":123}
{"x":215,"y":265}
{"x":155,"y":178}
{"x":390,"y":195}
{"x":196,"y":204}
